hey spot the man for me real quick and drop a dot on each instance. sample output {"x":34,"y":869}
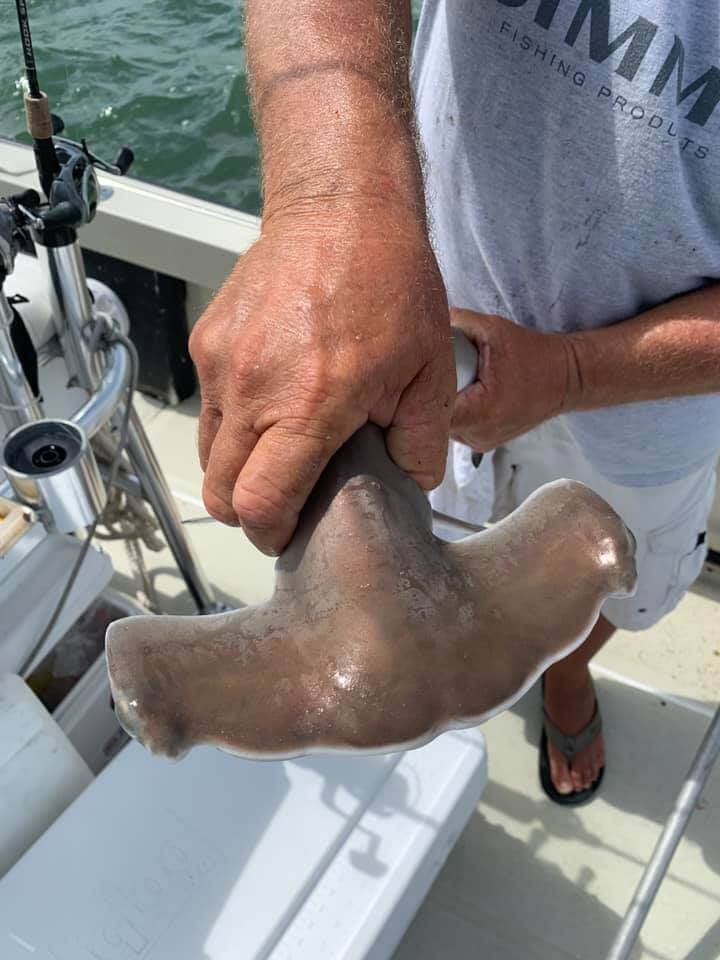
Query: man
{"x":572,"y":151}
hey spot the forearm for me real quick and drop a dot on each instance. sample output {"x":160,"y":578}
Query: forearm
{"x":332,"y":101}
{"x":670,"y":351}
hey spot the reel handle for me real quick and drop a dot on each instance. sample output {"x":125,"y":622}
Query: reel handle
{"x":124,"y":160}
{"x":28,"y":198}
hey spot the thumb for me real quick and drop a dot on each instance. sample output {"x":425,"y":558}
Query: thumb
{"x":468,"y":403}
{"x":473,"y":325}
{"x":418,"y":436}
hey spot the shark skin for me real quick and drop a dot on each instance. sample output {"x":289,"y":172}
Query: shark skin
{"x":378,"y":635}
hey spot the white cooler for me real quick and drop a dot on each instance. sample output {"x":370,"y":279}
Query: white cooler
{"x":216,"y":858}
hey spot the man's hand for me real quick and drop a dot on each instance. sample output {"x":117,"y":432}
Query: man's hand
{"x":335,"y":317}
{"x":524,"y":378}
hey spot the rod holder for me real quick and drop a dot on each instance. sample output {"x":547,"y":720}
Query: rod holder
{"x":51,"y":468}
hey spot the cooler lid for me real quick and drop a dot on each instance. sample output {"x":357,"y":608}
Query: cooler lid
{"x":210,"y":858}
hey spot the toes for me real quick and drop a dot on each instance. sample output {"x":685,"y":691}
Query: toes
{"x":578,"y":780}
{"x":589,"y":766}
{"x":559,"y":771}
{"x":583,"y":773}
{"x":596,"y":758}
{"x":598,"y":762}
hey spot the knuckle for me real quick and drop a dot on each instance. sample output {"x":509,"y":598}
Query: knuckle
{"x":318,"y":435}
{"x":260,"y":510}
{"x":210,"y":414}
{"x":322,"y":383}
{"x":252,"y":371}
{"x":315,"y":405}
{"x":218,"y":508}
{"x":205,"y":344}
{"x":245,"y":360}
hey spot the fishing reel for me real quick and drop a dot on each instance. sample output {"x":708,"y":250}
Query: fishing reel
{"x":72,"y":196}
{"x":74,"y":193}
{"x":72,"y":199}
{"x":15,"y":214}
{"x":8,"y":242}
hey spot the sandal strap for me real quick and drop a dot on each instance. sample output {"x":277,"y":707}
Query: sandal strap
{"x":568,"y":745}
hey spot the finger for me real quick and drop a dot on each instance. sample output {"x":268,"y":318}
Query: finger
{"x":473,"y":325}
{"x":279,"y":475}
{"x":468,"y":408}
{"x":418,"y":437}
{"x":472,"y":421}
{"x":208,"y":426}
{"x":231,"y":447}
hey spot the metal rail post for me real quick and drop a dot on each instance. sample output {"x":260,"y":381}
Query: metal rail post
{"x":666,"y":846}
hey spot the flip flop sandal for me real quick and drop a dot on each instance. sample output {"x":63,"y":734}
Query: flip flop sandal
{"x":569,"y":747}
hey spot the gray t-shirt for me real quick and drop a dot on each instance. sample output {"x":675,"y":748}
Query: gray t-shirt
{"x":573,"y":151}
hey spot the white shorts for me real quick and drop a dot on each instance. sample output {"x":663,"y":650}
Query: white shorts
{"x":669,"y":522}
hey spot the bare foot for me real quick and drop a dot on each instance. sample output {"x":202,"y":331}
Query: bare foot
{"x":570,"y":704}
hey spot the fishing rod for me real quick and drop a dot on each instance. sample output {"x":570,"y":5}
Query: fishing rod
{"x":65,"y":167}
{"x":67,"y":173}
{"x":40,"y":123}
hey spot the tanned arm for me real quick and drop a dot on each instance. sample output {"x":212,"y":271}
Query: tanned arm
{"x":670,"y":351}
{"x":337,"y":315}
{"x":526,"y":377}
{"x":331,"y":96}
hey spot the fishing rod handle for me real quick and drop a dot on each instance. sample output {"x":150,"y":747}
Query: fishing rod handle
{"x":38,"y":117}
{"x":466,"y":359}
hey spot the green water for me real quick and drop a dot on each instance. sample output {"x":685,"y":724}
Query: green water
{"x":165,"y":77}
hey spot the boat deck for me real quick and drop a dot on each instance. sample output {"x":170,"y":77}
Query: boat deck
{"x":528,"y":880}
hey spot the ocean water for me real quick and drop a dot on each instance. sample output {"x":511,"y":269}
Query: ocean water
{"x":165,"y":77}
